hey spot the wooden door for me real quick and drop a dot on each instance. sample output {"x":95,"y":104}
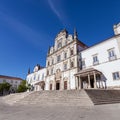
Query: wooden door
{"x":50,"y":86}
{"x":65,"y":85}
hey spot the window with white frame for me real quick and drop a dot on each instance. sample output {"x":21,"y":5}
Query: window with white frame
{"x":34,"y":77}
{"x":72,"y":64}
{"x":4,"y":80}
{"x":71,"y":52}
{"x":65,"y":55}
{"x":111,"y":54}
{"x":47,"y":72}
{"x":95,"y":60}
{"x":83,"y":64}
{"x":31,"y":80}
{"x":116,"y":75}
{"x":59,"y":45}
{"x":38,"y":77}
{"x":43,"y":76}
{"x":51,"y":71}
{"x":65,"y":66}
{"x":52,"y":61}
{"x":58,"y":58}
{"x":48,"y":63}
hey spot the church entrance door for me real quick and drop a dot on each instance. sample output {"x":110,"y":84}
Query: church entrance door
{"x":65,"y":85}
{"x":50,"y":86}
{"x":58,"y":86}
{"x":92,"y":83}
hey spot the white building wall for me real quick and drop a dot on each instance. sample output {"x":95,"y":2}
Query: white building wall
{"x":68,"y":42}
{"x":101,"y":50}
{"x":14,"y":83}
{"x":36,"y":76}
{"x":105,"y":66}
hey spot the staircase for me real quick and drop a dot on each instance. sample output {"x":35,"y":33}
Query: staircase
{"x":64,"y":98}
{"x":104,"y":96}
{"x":13,"y":98}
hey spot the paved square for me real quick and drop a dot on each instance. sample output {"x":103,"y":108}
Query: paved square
{"x":32,"y":112}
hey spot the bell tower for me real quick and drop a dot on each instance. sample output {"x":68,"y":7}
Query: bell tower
{"x":75,"y":34}
{"x":116,"y":29}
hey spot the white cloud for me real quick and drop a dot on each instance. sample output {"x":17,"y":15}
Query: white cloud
{"x":53,"y":8}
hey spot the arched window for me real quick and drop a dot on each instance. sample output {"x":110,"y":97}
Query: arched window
{"x":59,"y":45}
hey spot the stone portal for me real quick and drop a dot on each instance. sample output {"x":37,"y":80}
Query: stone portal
{"x":58,"y":80}
{"x":57,"y":86}
{"x":65,"y":85}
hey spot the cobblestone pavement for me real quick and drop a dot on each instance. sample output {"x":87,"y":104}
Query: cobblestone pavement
{"x":103,"y":112}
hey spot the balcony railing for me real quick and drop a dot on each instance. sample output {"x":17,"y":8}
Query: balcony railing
{"x":96,"y":63}
{"x":112,"y":58}
{"x":83,"y":66}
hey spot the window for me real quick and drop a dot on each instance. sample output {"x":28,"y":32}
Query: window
{"x":95,"y":60}
{"x":59,"y":45}
{"x":65,"y":66}
{"x":111,"y":54}
{"x":65,"y":42}
{"x":38,"y":77}
{"x":71,"y":52}
{"x":65,"y":55}
{"x":48,"y":63}
{"x":34,"y":77}
{"x":116,"y":76}
{"x":83,"y":63}
{"x":58,"y":58}
{"x":11,"y":81}
{"x":43,"y":76}
{"x":4,"y":80}
{"x":72,"y":64}
{"x":31,"y":80}
{"x":52,"y":61}
{"x":51,"y":71}
{"x":47,"y":72}
{"x":15,"y":86}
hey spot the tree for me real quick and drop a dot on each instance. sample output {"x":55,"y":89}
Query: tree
{"x":29,"y":87}
{"x":22,"y":87}
{"x":4,"y":88}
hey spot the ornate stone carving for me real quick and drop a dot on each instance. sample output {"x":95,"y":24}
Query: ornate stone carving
{"x":58,"y":74}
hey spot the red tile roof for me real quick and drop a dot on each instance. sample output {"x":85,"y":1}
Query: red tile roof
{"x":10,"y":77}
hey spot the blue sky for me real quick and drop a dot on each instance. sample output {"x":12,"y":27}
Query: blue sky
{"x":28,"y":27}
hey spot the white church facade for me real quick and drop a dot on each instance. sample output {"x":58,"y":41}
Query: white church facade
{"x":70,"y":64}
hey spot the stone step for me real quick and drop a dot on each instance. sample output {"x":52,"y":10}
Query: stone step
{"x":12,"y":98}
{"x":104,"y":96}
{"x":60,"y":104}
{"x":67,"y":97}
